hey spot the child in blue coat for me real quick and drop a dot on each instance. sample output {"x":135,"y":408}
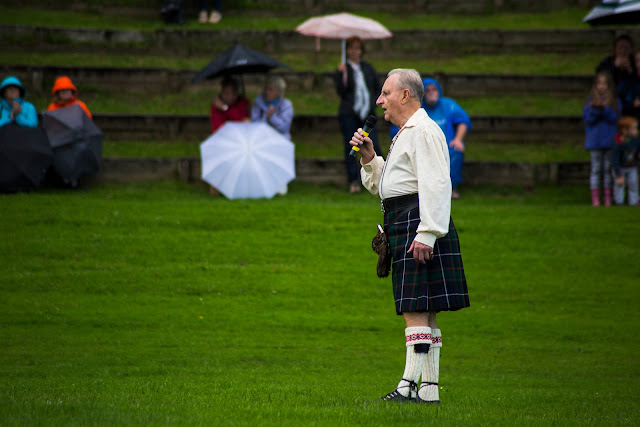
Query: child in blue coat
{"x":13,"y":107}
{"x":600,"y":114}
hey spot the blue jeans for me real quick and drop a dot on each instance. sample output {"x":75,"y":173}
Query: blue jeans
{"x":348,"y":125}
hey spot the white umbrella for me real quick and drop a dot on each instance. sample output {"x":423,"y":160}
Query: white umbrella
{"x":342,"y":26}
{"x":614,"y":12}
{"x":247,"y":160}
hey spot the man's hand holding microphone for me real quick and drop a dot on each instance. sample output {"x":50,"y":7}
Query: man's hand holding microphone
{"x":362,"y":143}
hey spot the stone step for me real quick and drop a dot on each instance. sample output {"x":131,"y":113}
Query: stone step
{"x":520,"y":129}
{"x":404,"y":43}
{"x":331,"y":171}
{"x":39,"y":80}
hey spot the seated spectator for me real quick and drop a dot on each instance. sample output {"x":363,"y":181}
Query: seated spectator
{"x":629,"y":91}
{"x":216,"y":12}
{"x":64,"y":94}
{"x":172,"y":12}
{"x":621,"y":64}
{"x":229,"y":105}
{"x":13,"y":107}
{"x":454,"y":122}
{"x":272,"y":107}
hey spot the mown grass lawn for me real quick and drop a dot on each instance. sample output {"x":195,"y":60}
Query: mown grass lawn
{"x":157,"y":304}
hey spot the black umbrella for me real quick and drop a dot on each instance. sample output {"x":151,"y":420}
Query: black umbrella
{"x":76,"y":142}
{"x":237,"y":60}
{"x":25,"y":156}
{"x":611,"y":12}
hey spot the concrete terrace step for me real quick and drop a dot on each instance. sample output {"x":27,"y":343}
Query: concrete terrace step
{"x":39,"y":79}
{"x":331,"y":171}
{"x":521,"y":129}
{"x":170,"y":41}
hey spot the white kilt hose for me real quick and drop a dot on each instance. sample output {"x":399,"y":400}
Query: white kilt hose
{"x":437,"y":285}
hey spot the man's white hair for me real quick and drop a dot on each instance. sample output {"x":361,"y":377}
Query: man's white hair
{"x":409,"y":79}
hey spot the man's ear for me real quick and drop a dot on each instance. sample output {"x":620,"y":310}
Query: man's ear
{"x":406,"y":96}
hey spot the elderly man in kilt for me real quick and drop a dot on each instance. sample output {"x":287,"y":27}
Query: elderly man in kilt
{"x":415,"y":188}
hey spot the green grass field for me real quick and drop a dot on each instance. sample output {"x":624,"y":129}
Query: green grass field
{"x":157,"y":304}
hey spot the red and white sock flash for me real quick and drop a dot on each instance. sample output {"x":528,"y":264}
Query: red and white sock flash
{"x":418,"y":342}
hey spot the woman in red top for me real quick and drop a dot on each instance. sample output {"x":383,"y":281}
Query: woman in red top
{"x":230,"y":105}
{"x":64,"y":95}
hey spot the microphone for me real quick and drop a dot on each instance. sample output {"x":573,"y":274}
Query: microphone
{"x":366,"y":130}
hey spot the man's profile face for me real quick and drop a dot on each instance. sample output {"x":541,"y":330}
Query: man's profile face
{"x":390,"y":99}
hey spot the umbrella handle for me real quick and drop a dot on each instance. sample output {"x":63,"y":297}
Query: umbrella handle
{"x":317,"y":44}
{"x":344,"y":61}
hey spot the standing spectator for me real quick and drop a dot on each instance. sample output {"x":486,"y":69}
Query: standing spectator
{"x":454,"y":122}
{"x":624,"y":160}
{"x":629,"y":91}
{"x":229,"y":105}
{"x":13,"y":107}
{"x":216,"y":12}
{"x":621,"y":64}
{"x":358,"y":86}
{"x":415,"y":189}
{"x":64,"y":94}
{"x":600,"y":115}
{"x":272,"y":107}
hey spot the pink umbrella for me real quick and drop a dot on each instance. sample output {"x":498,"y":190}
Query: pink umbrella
{"x":342,"y":26}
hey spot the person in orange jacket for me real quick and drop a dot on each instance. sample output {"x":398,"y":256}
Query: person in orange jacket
{"x":64,"y":95}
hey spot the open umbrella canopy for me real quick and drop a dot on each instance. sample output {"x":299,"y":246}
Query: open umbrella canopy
{"x":76,"y":142}
{"x":25,"y":156}
{"x":237,"y":60}
{"x":247,"y":160}
{"x":342,"y":26}
{"x":611,"y":12}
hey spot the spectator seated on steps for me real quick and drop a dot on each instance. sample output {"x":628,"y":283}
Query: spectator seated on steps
{"x":64,"y":94}
{"x":13,"y":107}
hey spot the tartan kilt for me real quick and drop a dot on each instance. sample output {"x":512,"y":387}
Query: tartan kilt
{"x":437,"y":285}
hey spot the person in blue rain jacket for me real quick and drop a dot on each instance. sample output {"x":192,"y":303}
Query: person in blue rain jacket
{"x":13,"y":107}
{"x":454,"y":122}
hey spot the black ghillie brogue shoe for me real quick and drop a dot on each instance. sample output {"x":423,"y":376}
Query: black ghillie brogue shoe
{"x":396,"y":396}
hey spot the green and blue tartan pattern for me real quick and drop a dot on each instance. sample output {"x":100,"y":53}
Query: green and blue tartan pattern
{"x":438,"y":285}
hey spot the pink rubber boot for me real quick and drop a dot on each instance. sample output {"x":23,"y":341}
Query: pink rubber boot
{"x":595,"y":197}
{"x":607,"y":197}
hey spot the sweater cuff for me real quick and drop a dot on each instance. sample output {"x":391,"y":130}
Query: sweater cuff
{"x":426,"y":238}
